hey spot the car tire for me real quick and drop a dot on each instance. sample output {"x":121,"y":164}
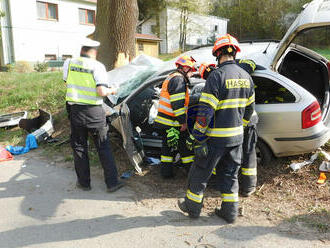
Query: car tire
{"x":264,"y":154}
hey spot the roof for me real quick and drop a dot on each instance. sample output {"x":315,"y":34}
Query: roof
{"x":147,"y":37}
{"x":91,"y":1}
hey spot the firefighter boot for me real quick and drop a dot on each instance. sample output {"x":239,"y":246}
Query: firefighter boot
{"x":227,"y":212}
{"x":183,"y":207}
{"x":248,"y":192}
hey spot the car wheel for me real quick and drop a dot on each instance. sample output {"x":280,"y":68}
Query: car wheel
{"x":264,"y":154}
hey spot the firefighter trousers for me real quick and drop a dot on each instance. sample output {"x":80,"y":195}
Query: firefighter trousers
{"x":227,"y":160}
{"x":249,"y":160}
{"x":168,"y":155}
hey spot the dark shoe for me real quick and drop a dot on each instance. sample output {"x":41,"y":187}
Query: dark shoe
{"x":119,"y":185}
{"x":227,"y":218}
{"x":248,"y":193}
{"x":183,"y":207}
{"x":84,"y":188}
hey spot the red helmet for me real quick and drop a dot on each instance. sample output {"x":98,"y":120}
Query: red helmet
{"x":226,"y":40}
{"x":186,"y":60}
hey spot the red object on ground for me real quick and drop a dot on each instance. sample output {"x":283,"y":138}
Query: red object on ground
{"x":5,"y":155}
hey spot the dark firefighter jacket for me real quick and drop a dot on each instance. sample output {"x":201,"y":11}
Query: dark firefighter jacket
{"x":229,"y":91}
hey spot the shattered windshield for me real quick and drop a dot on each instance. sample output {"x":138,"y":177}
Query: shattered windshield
{"x":129,"y":77}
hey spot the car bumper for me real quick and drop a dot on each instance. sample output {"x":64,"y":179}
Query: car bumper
{"x":287,"y":146}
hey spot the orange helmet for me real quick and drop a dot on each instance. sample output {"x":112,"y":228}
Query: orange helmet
{"x":186,"y":60}
{"x":206,"y":69}
{"x":226,"y":40}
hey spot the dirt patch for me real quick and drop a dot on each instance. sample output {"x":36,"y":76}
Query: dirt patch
{"x":283,"y":197}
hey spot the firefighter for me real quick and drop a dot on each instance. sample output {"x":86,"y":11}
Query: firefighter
{"x":229,"y":91}
{"x":249,"y":156}
{"x":171,"y":117}
{"x":86,"y":80}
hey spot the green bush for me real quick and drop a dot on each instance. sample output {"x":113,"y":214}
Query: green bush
{"x":41,"y":66}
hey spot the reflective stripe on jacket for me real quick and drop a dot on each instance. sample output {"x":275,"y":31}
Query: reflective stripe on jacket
{"x":167,"y":115}
{"x":81,"y":86}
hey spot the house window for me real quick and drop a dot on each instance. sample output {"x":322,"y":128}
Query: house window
{"x":215,"y":28}
{"x":66,"y":56}
{"x":50,"y":57}
{"x":47,"y":11}
{"x":86,"y":16}
{"x":141,"y":47}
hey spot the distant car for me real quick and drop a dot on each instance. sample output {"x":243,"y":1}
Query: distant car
{"x":292,"y":91}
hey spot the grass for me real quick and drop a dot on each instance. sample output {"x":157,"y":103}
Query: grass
{"x":168,"y":56}
{"x":324,"y":52}
{"x":30,"y":91}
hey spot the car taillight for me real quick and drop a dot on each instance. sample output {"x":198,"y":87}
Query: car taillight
{"x":328,"y":65}
{"x":311,"y":115}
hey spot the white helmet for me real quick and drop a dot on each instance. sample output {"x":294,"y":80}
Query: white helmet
{"x":89,"y":43}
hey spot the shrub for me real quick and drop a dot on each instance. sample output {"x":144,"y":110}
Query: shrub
{"x":41,"y":66}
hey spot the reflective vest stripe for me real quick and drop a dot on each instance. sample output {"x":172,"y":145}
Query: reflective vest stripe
{"x":224,"y":132}
{"x":249,"y":171}
{"x":209,"y":99}
{"x":187,"y":160}
{"x":166,"y":109}
{"x":230,"y":197}
{"x":251,"y":100}
{"x":233,"y":103}
{"x":163,"y":99}
{"x":167,"y":122}
{"x":180,"y":111}
{"x":166,"y":159}
{"x":177,"y":97}
{"x":245,"y":122}
{"x":193,"y":197}
{"x":77,"y":95}
{"x":82,"y":88}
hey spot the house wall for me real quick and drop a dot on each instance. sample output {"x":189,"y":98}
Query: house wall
{"x":33,"y":38}
{"x":149,"y":48}
{"x":199,"y":29}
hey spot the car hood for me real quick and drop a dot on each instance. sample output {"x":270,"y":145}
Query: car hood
{"x":315,"y":14}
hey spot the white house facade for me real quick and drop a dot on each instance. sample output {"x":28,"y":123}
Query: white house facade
{"x":199,"y":29}
{"x":34,"y":30}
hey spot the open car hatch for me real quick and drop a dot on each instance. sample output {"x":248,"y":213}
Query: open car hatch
{"x":315,"y":14}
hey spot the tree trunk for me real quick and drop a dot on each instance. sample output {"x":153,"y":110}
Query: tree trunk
{"x":115,"y":28}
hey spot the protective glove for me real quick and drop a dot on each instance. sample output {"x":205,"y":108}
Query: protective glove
{"x":201,"y":150}
{"x":172,"y":137}
{"x":190,"y":142}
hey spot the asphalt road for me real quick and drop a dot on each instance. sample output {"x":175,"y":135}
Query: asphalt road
{"x":41,"y":207}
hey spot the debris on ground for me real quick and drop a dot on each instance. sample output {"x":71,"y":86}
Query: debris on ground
{"x":10,"y":120}
{"x":297,"y":166}
{"x":30,"y":143}
{"x":41,"y":127}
